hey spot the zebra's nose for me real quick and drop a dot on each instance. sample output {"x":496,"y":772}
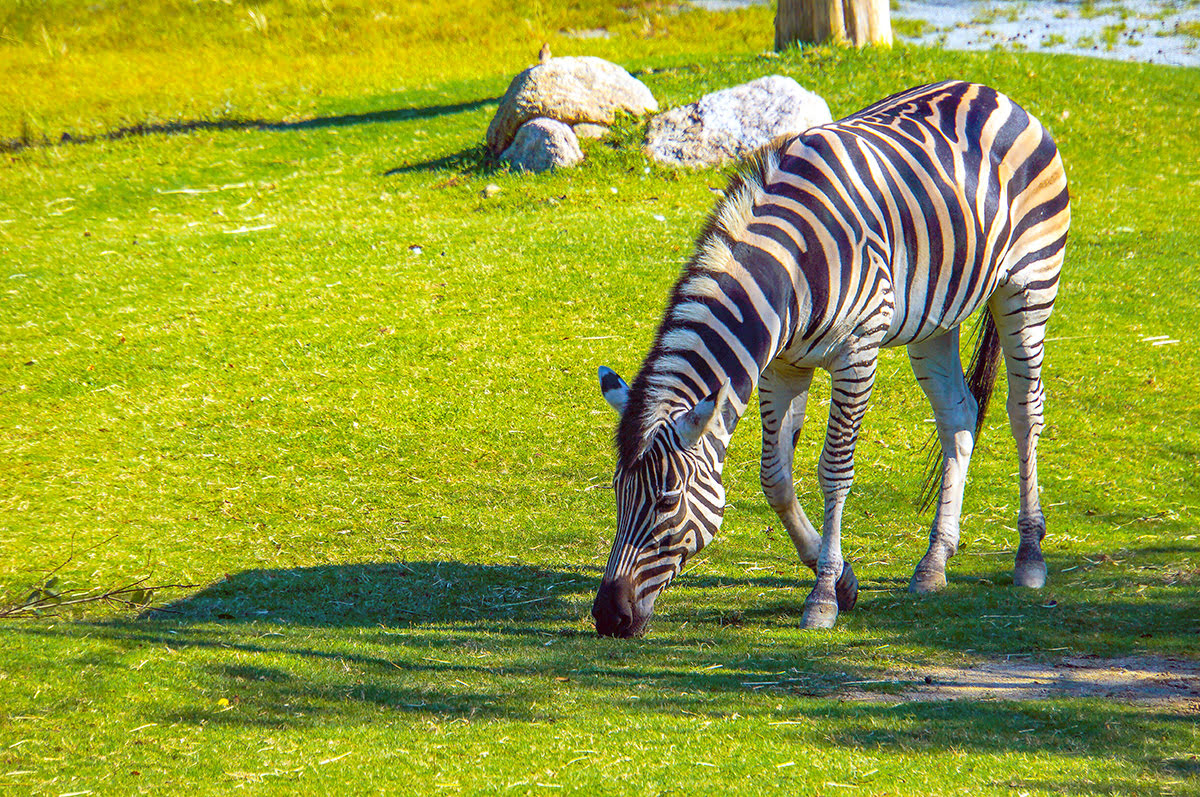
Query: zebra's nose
{"x":613,"y":608}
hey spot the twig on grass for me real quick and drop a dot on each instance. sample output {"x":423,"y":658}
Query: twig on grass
{"x":49,"y":599}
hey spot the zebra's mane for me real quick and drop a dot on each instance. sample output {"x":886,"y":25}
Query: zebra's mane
{"x":656,"y":395}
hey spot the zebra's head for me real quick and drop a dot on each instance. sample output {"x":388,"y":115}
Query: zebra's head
{"x":670,"y":501}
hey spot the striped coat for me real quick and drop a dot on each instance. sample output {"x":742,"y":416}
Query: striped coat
{"x":889,"y":227}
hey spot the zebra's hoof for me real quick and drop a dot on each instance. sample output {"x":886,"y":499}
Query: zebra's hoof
{"x":928,"y":577}
{"x":1030,"y":568}
{"x":819,"y":615}
{"x":1030,"y":574}
{"x":846,"y":589}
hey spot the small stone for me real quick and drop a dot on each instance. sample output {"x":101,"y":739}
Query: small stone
{"x":543,"y":144}
{"x":490,"y":190}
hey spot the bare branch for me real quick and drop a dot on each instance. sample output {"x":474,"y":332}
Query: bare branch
{"x":48,"y":600}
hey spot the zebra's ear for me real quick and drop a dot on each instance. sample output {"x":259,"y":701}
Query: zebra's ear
{"x":705,"y":417}
{"x":615,"y":391}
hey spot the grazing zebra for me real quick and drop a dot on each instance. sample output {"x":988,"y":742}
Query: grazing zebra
{"x":886,"y":228}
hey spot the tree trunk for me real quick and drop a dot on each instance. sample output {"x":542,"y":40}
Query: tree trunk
{"x":868,"y":22}
{"x":860,"y":22}
{"x":809,"y":22}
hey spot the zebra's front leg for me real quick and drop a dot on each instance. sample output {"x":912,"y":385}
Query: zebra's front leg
{"x":852,"y":379}
{"x":782,"y":396}
{"x":938,"y":369}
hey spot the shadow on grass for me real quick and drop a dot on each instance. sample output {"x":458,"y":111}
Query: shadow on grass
{"x":16,"y":145}
{"x":347,"y":645}
{"x":271,"y":677}
{"x":1138,"y":605}
{"x":477,"y":159}
{"x":400,"y":595}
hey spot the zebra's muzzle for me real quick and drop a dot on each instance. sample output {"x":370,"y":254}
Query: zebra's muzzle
{"x":614,"y":610}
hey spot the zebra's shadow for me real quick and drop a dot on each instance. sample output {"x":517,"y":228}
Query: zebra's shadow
{"x":418,"y":593}
{"x":385,"y":594}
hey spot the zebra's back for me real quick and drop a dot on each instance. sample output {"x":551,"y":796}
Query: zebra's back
{"x":911,"y":212}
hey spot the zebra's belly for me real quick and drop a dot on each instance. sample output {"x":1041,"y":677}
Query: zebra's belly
{"x":902,"y":333}
{"x":931,"y":307}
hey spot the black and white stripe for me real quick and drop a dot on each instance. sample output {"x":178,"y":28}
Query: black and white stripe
{"x":887,"y":228}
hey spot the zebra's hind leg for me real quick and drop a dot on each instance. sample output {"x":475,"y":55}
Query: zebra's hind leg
{"x":936,"y":364}
{"x":1021,"y":316}
{"x":782,"y":396}
{"x":853,"y":376}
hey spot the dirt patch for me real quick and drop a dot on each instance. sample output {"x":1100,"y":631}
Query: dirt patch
{"x":1133,"y":679}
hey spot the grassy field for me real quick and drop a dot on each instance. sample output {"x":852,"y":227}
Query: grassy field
{"x":278,"y":344}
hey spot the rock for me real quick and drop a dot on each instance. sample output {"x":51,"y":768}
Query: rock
{"x":733,"y":123}
{"x":543,"y":144}
{"x":490,"y":190}
{"x":571,"y":90}
{"x":589,"y":130}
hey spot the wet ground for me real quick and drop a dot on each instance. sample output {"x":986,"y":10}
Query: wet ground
{"x":1153,"y":31}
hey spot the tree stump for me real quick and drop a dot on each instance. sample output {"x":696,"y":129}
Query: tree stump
{"x":868,"y":22}
{"x":859,"y":22}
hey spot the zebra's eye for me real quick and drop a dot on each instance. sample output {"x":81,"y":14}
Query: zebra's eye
{"x":668,"y":500}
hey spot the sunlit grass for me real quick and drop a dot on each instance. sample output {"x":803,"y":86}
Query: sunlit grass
{"x":307,"y":364}
{"x":79,"y":68}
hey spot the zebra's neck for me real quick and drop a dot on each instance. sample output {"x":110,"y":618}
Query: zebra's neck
{"x":671,"y":383}
{"x":732,"y":311}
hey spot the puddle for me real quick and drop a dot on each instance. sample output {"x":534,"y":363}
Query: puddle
{"x":1152,"y":31}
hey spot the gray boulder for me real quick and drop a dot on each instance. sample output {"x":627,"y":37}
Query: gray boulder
{"x":572,"y":90}
{"x":543,"y":144}
{"x":733,"y":123}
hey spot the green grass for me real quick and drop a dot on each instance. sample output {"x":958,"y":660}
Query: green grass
{"x":1189,"y":29}
{"x":910,"y":28}
{"x":383,"y":468}
{"x":1111,"y":34}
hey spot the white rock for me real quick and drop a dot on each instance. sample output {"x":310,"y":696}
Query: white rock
{"x":572,"y":90}
{"x":543,"y":144}
{"x":733,"y":123}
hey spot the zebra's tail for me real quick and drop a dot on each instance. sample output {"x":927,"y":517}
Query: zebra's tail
{"x":981,"y":379}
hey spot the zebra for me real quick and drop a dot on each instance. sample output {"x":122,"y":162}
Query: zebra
{"x":889,"y":227}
